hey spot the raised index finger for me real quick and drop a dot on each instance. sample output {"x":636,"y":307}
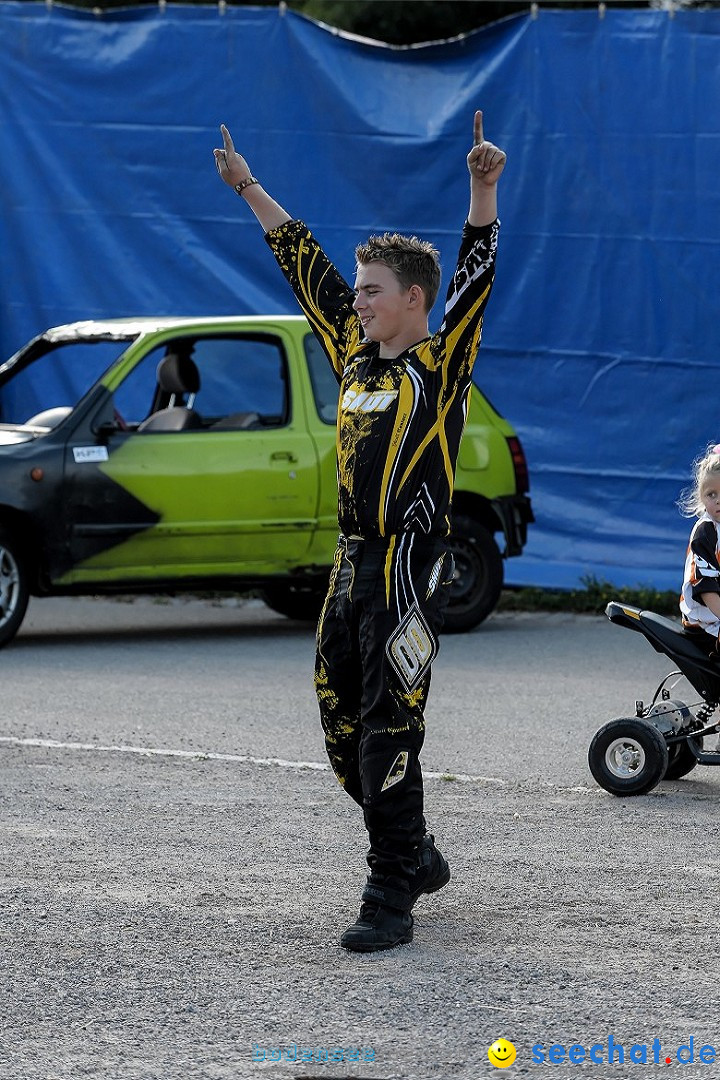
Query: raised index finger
{"x":478,"y":128}
{"x":227,"y":140}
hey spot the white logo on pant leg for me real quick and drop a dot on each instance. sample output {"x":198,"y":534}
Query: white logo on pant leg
{"x":397,"y":772}
{"x":412,"y":648}
{"x":435,"y":576}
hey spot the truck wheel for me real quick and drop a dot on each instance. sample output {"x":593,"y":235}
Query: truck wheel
{"x":14,"y":588}
{"x":301,"y":602}
{"x":478,"y":580}
{"x":628,"y":756}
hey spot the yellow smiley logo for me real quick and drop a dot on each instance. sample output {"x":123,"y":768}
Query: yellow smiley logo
{"x":501,"y":1054}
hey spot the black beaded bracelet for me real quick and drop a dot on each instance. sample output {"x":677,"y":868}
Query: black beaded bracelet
{"x":245,"y":183}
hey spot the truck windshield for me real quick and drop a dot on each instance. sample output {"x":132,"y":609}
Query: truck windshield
{"x":59,"y":376}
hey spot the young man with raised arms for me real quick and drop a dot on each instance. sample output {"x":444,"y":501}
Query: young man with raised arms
{"x":402,"y":408}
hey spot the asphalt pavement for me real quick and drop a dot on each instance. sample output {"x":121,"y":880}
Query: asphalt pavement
{"x":177,"y":862}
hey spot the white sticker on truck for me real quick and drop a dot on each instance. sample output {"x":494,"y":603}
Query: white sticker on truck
{"x":90,"y":453}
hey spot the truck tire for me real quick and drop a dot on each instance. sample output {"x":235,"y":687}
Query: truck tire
{"x":301,"y":602}
{"x":14,"y":587}
{"x":478,"y":580}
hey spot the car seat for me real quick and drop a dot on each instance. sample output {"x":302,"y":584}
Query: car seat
{"x":178,"y":382}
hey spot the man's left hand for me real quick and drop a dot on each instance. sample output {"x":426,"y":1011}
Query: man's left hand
{"x":485,"y":161}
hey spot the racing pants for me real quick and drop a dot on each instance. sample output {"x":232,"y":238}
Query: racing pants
{"x":377,"y":638}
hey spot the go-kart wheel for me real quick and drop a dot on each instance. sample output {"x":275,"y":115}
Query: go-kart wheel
{"x":628,"y":757}
{"x":681,"y":759}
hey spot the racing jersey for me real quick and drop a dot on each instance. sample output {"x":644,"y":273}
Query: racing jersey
{"x":399,"y":420}
{"x":702,"y":575}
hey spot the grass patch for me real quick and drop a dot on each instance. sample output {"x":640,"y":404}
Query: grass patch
{"x":592,"y":598}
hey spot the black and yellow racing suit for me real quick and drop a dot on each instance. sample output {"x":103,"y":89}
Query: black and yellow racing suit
{"x":398,"y":433}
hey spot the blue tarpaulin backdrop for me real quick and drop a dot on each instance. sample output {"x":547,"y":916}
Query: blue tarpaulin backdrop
{"x":601,"y":339}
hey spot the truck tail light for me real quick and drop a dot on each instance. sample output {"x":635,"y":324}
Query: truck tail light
{"x":522,"y":480}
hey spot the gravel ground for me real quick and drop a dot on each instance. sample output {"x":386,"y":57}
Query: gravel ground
{"x":174,"y":915}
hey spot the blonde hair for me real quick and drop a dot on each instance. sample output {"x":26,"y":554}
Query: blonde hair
{"x":704,"y":467}
{"x":412,"y":261}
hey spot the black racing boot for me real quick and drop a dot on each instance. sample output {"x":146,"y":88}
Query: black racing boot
{"x":384,"y":920}
{"x":432,"y":871}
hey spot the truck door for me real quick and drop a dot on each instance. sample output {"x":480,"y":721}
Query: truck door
{"x":234,"y":492}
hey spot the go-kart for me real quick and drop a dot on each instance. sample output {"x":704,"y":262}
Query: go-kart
{"x":663,"y":740}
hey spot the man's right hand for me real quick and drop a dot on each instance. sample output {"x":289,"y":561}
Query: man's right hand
{"x":233,"y":167}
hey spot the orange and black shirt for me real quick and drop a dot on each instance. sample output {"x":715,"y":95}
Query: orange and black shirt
{"x":399,"y":421}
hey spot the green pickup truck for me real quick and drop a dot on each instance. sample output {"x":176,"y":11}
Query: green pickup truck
{"x":166,"y":454}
